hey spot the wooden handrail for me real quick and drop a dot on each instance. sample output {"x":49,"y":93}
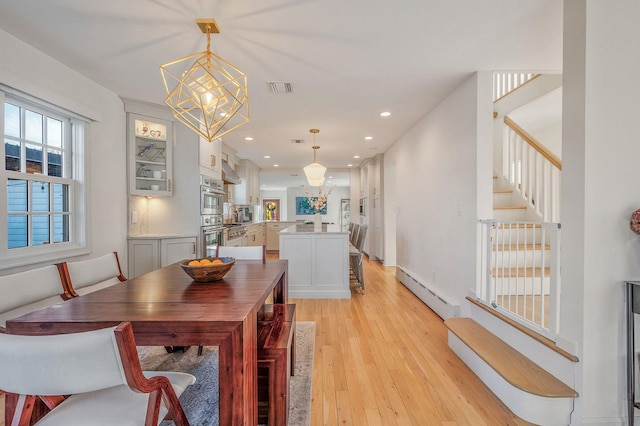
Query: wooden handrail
{"x":553,"y":159}
{"x":517,"y":87}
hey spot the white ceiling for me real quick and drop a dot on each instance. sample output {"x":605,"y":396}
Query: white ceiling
{"x":347,"y":60}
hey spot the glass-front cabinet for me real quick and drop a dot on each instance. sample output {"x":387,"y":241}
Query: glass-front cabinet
{"x":150,"y":153}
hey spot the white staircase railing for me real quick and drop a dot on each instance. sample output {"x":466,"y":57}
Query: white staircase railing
{"x":520,"y":273}
{"x":532,"y":170}
{"x":506,"y":82}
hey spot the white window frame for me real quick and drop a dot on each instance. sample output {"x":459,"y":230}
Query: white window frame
{"x":78,"y":243}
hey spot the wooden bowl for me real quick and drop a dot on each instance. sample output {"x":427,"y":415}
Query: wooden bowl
{"x":208,"y":273}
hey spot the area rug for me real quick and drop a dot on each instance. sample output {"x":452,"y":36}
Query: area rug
{"x":200,"y":400}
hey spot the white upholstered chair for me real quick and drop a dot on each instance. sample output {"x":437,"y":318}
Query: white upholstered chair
{"x":247,"y":252}
{"x":99,"y":371}
{"x":86,"y":276}
{"x":28,"y":291}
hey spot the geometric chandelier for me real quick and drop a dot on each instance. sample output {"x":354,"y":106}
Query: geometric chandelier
{"x":315,"y":171}
{"x":206,"y":92}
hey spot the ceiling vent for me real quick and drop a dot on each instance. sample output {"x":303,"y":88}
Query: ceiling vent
{"x":297,"y":140}
{"x":279,"y":87}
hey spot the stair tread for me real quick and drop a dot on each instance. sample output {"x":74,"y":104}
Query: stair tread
{"x":519,"y":226}
{"x":519,"y":272}
{"x":520,"y":247}
{"x":503,"y":191}
{"x":513,"y":366}
{"x":510,"y":208}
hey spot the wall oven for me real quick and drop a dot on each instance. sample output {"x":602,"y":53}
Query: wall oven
{"x":211,"y":237}
{"x":211,"y":195}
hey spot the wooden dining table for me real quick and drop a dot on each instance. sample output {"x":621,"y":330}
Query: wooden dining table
{"x":167,"y":308}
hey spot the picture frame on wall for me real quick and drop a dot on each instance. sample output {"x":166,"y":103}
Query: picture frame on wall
{"x":271,"y":208}
{"x":303,"y":207}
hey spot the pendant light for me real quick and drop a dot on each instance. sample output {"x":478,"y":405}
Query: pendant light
{"x":315,"y":171}
{"x":206,"y":92}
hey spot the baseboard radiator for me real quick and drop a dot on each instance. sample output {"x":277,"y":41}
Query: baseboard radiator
{"x":438,"y":303}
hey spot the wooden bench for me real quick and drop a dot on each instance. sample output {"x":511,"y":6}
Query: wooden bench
{"x":276,"y":362}
{"x":25,"y":292}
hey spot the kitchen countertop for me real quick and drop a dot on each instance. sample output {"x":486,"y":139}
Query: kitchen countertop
{"x":159,"y":236}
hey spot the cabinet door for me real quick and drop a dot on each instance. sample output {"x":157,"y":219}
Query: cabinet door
{"x":273,"y":243}
{"x":209,"y":158}
{"x":143,"y":257}
{"x":150,"y":151}
{"x":173,"y":250}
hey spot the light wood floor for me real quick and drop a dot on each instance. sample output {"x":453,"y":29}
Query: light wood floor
{"x":382,"y":358}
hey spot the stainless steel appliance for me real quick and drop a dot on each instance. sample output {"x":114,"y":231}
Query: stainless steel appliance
{"x":212,"y":230}
{"x":235,"y":235}
{"x":244,"y":214}
{"x":211,"y":195}
{"x":211,"y":237}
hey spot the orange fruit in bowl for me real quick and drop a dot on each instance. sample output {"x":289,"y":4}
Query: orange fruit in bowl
{"x":195,"y":263}
{"x":217,"y":262}
{"x":204,"y":262}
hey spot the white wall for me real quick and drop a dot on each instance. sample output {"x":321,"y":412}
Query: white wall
{"x":551,"y":137}
{"x":600,"y":191}
{"x":180,"y":213}
{"x":26,"y":69}
{"x":333,"y":203}
{"x":281,"y":195}
{"x":435,"y":194}
{"x":107,"y":151}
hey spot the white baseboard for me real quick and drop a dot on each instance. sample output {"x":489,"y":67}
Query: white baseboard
{"x":440,"y":304}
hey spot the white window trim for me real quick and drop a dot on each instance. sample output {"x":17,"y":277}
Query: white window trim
{"x":11,"y":258}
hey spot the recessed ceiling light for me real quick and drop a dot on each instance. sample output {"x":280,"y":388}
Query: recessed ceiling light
{"x":368,"y":138}
{"x":385,"y":114}
{"x":330,"y":177}
{"x":356,"y":156}
{"x":248,"y":138}
{"x":349,"y":165}
{"x":276,"y":165}
{"x":267,"y":156}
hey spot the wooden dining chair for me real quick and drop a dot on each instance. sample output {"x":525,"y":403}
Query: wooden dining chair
{"x":28,"y":291}
{"x":85,"y":378}
{"x":355,"y":255}
{"x":86,"y":276}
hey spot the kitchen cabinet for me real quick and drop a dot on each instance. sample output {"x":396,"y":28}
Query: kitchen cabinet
{"x":228,"y":155}
{"x":364,"y":180}
{"x":229,"y":192}
{"x":150,"y":153}
{"x":248,"y":190}
{"x":273,"y":234}
{"x":147,"y":253}
{"x":210,"y":158}
{"x":256,"y":235}
{"x":376,"y":224}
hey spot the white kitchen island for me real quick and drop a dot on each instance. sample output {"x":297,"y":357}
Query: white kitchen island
{"x":318,"y":261}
